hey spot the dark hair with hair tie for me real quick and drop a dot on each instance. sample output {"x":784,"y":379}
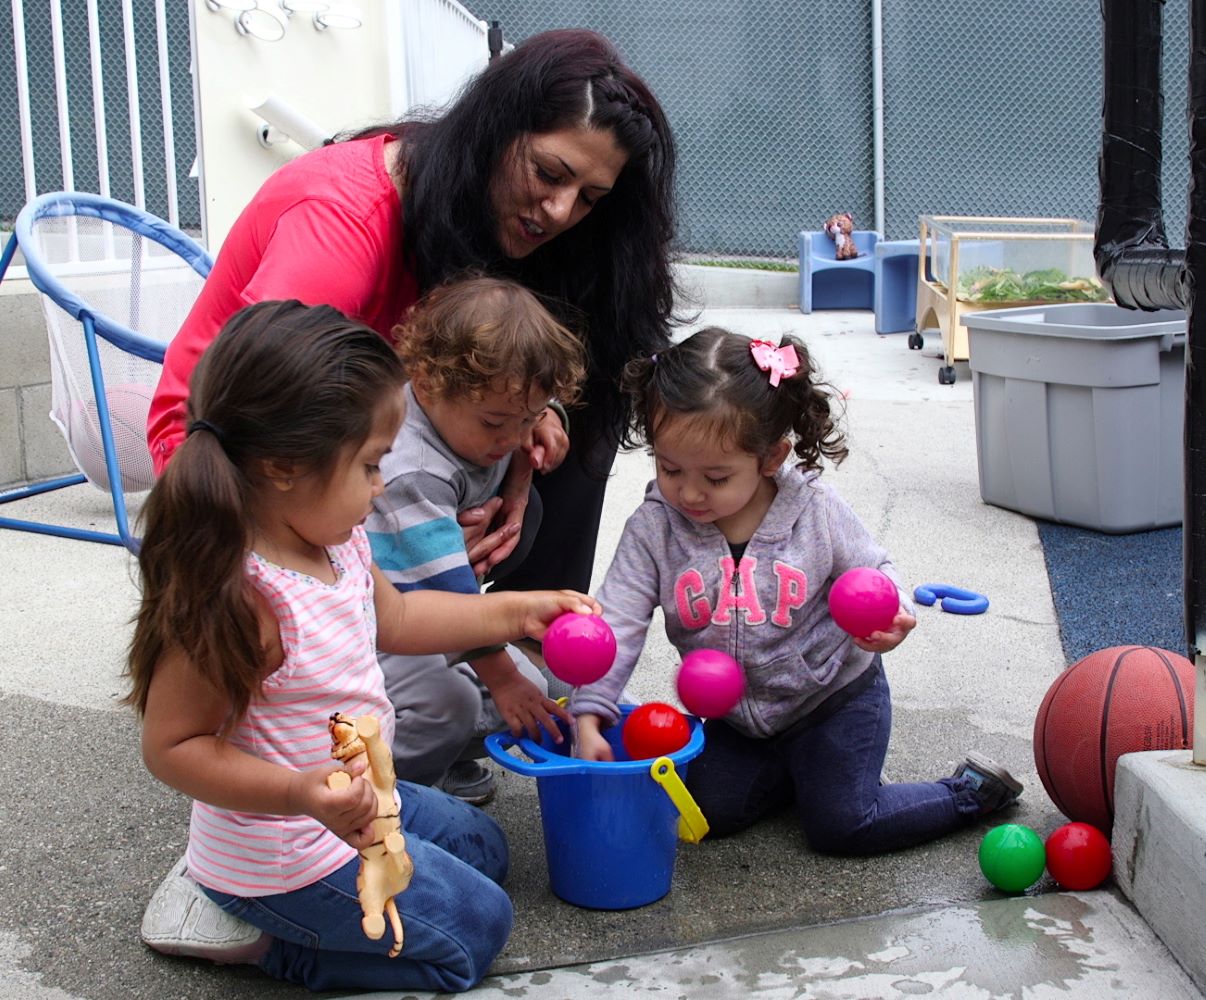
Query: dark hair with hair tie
{"x":714,"y":380}
{"x":205,"y":425}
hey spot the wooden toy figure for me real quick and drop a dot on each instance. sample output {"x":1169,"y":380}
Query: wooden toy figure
{"x":839,"y":227}
{"x":385,"y":867}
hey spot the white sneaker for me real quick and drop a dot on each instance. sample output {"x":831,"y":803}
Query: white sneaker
{"x":181,"y":920}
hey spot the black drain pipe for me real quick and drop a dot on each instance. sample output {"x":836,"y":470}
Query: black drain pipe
{"x":1133,"y":257}
{"x":1195,"y":371}
{"x":1131,"y":248}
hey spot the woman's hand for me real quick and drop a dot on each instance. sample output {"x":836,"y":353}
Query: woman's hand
{"x":890,"y":638}
{"x":504,"y":513}
{"x":347,"y":811}
{"x":492,"y":530}
{"x":590,"y":743}
{"x":549,"y":443}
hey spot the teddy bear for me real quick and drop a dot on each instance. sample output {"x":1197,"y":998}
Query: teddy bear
{"x":840,"y":226}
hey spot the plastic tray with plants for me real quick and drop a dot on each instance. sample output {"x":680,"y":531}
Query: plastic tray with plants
{"x":1003,"y":284}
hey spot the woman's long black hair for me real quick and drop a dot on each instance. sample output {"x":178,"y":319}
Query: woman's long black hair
{"x":609,"y":277}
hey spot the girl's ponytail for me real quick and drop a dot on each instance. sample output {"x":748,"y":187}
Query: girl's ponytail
{"x":636,"y":381}
{"x":814,"y":425}
{"x":282,"y":382}
{"x":197,"y":528}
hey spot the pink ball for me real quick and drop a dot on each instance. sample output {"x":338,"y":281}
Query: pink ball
{"x":710,"y":683}
{"x":863,"y":600}
{"x":579,"y":649}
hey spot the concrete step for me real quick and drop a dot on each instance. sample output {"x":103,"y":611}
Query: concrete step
{"x":1159,"y":840}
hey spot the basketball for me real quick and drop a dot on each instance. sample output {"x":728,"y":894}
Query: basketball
{"x":128,"y":409}
{"x":1114,"y":701}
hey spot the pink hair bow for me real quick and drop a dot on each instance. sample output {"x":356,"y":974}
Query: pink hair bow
{"x":781,"y":362}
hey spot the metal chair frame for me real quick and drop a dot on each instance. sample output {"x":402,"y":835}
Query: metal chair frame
{"x":95,"y":324}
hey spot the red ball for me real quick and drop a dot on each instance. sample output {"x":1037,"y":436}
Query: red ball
{"x":863,"y":600}
{"x":1078,"y":856}
{"x":1114,"y":701}
{"x":654,"y":729}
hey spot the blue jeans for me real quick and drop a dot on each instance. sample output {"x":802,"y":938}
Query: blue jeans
{"x":830,"y":769}
{"x":455,"y":916}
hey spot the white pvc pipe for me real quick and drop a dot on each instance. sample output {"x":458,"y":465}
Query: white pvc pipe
{"x":127,"y":24}
{"x":98,"y":101}
{"x":877,"y":111}
{"x":60,"y":94}
{"x":287,"y":119}
{"x":63,"y":110}
{"x":96,"y":64}
{"x":198,"y":131}
{"x":165,"y":102}
{"x":23,"y":114}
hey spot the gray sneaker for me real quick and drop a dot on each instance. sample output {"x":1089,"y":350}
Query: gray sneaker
{"x":181,"y":920}
{"x":468,"y":781}
{"x":994,"y":786}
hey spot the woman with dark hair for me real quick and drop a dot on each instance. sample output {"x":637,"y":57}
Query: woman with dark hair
{"x":554,"y":167}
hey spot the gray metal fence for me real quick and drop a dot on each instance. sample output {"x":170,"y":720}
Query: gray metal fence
{"x":989,"y":108}
{"x":30,"y":41}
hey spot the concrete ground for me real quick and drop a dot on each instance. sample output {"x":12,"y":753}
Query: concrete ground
{"x":86,"y":834}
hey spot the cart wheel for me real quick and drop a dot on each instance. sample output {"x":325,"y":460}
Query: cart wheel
{"x":946,"y":375}
{"x":916,"y":342}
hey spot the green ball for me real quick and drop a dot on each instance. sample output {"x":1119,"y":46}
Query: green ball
{"x":1012,"y":857}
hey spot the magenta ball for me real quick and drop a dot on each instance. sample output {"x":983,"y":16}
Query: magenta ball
{"x":710,"y":683}
{"x":863,"y":600}
{"x":579,"y":649}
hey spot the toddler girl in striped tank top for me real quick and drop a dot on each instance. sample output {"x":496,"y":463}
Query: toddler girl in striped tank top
{"x":261,"y":615}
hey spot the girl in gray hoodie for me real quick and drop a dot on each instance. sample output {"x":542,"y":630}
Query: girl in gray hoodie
{"x":739,"y":549}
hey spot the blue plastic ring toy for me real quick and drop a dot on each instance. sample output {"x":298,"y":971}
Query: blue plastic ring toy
{"x":954,"y":599}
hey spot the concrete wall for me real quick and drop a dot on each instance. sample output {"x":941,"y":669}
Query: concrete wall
{"x":31,"y":446}
{"x":736,"y":288}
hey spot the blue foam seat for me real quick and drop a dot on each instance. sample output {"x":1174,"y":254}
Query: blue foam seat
{"x":829,"y":283}
{"x":896,"y":285}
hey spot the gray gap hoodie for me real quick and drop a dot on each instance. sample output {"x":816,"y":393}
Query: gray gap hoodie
{"x":771,"y":612}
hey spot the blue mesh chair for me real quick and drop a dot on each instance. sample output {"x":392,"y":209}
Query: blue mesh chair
{"x":116,"y":284}
{"x":829,"y":283}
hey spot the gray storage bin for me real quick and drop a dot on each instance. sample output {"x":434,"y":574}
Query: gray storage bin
{"x":1079,"y":413}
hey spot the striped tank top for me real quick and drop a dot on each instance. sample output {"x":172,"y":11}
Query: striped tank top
{"x":328,"y":634}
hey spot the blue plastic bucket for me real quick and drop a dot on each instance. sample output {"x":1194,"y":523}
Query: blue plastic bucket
{"x":610,"y":827}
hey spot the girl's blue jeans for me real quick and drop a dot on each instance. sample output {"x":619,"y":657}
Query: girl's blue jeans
{"x":830,"y":770}
{"x":455,"y":916}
